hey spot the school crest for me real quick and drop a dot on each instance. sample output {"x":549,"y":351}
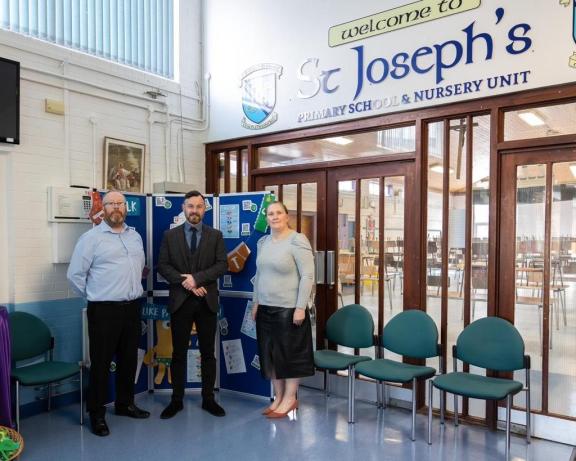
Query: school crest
{"x":258,"y":85}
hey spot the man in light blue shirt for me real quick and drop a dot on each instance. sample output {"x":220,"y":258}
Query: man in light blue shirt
{"x":106,"y":268}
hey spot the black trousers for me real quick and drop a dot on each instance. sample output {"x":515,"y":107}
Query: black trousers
{"x":194,"y":310}
{"x":113,"y":329}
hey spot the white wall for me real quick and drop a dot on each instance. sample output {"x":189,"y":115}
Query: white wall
{"x":101,"y":99}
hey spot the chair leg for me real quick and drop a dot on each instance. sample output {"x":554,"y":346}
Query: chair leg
{"x":327,"y":383}
{"x":442,"y":407}
{"x":378,"y":394}
{"x":17,"y":405}
{"x":81,"y":398}
{"x":455,"y":410}
{"x":430,"y":402}
{"x":413,"y":409}
{"x":384,"y":397}
{"x":528,"y":408}
{"x":508,"y":408}
{"x":351,"y":382}
{"x":49,"y":396}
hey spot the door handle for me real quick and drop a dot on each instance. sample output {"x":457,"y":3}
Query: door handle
{"x":330,"y":279}
{"x":320,"y":268}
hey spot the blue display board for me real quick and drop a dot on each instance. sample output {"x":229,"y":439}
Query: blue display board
{"x":239,"y":359}
{"x":241,"y":221}
{"x":238,"y":214}
{"x":159,"y":356}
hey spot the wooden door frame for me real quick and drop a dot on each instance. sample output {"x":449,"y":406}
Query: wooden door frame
{"x":506,"y":281}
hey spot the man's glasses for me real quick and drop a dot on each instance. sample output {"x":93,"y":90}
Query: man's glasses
{"x":115,"y":204}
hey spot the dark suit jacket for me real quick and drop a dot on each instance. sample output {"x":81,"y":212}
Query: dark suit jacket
{"x":175,"y":259}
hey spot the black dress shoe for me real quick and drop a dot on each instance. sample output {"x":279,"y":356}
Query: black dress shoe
{"x":99,"y":426}
{"x":171,"y":410}
{"x":213,"y":408}
{"x":132,"y":411}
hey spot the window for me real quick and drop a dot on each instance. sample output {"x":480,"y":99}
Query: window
{"x":137,"y":33}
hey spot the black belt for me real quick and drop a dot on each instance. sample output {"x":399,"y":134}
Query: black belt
{"x":115,"y":303}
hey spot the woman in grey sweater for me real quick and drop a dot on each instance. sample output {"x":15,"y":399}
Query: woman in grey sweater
{"x":282,"y":289}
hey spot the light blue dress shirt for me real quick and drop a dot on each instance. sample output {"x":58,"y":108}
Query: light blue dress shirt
{"x":107,"y":265}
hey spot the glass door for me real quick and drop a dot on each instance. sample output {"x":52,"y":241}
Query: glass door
{"x":368,"y":225}
{"x":537,"y":282}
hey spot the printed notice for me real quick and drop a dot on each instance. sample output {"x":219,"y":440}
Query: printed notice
{"x":193,"y":374}
{"x":141,"y":353}
{"x":230,"y":221}
{"x":256,"y":362}
{"x":234,"y":356}
{"x":248,"y":325}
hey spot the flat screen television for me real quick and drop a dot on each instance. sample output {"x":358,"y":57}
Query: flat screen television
{"x":9,"y":101}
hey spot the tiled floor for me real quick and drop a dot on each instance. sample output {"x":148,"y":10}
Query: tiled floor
{"x":319,"y":432}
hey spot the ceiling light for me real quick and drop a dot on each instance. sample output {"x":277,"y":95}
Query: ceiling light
{"x":340,"y":140}
{"x":531,"y":118}
{"x":437,"y":168}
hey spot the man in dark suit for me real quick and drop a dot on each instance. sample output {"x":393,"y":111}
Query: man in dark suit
{"x":192,"y":257}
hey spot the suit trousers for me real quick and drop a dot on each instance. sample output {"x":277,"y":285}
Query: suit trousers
{"x":193,"y":310}
{"x":114,"y":330}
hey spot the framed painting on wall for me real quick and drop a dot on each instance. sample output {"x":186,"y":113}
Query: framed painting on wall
{"x":124,"y":165}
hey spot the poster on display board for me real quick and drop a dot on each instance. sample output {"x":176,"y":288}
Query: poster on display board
{"x":159,"y":353}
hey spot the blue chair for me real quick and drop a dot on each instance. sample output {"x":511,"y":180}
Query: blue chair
{"x":494,"y":344}
{"x":413,"y":334}
{"x":31,"y":338}
{"x":350,"y":326}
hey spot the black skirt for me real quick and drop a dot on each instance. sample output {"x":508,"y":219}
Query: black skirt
{"x":285,"y":349}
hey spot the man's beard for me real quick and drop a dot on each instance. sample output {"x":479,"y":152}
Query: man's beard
{"x":194,"y":218}
{"x":115,"y":218}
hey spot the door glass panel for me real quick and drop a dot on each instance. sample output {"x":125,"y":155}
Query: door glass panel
{"x":480,"y":215}
{"x":369,"y":246}
{"x":290,"y":199}
{"x":385,"y":142}
{"x":456,"y":230}
{"x":221,"y":172}
{"x":346,"y":246}
{"x":540,"y":122}
{"x":310,"y":229}
{"x":244,"y":155}
{"x":479,"y":231}
{"x":393,"y":246}
{"x":346,"y":236}
{"x":529,"y":304}
{"x":393,"y":258}
{"x":233,"y":170}
{"x":434,"y":225}
{"x":562,"y":358}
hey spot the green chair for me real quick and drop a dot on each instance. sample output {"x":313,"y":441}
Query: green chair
{"x":413,"y":334}
{"x":494,"y":344}
{"x":350,"y":326}
{"x":31,"y":338}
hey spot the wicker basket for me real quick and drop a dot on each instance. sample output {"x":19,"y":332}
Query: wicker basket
{"x":14,"y":435}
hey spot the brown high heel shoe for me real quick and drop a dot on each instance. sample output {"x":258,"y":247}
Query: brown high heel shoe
{"x":267,"y":411}
{"x":275,"y":414}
